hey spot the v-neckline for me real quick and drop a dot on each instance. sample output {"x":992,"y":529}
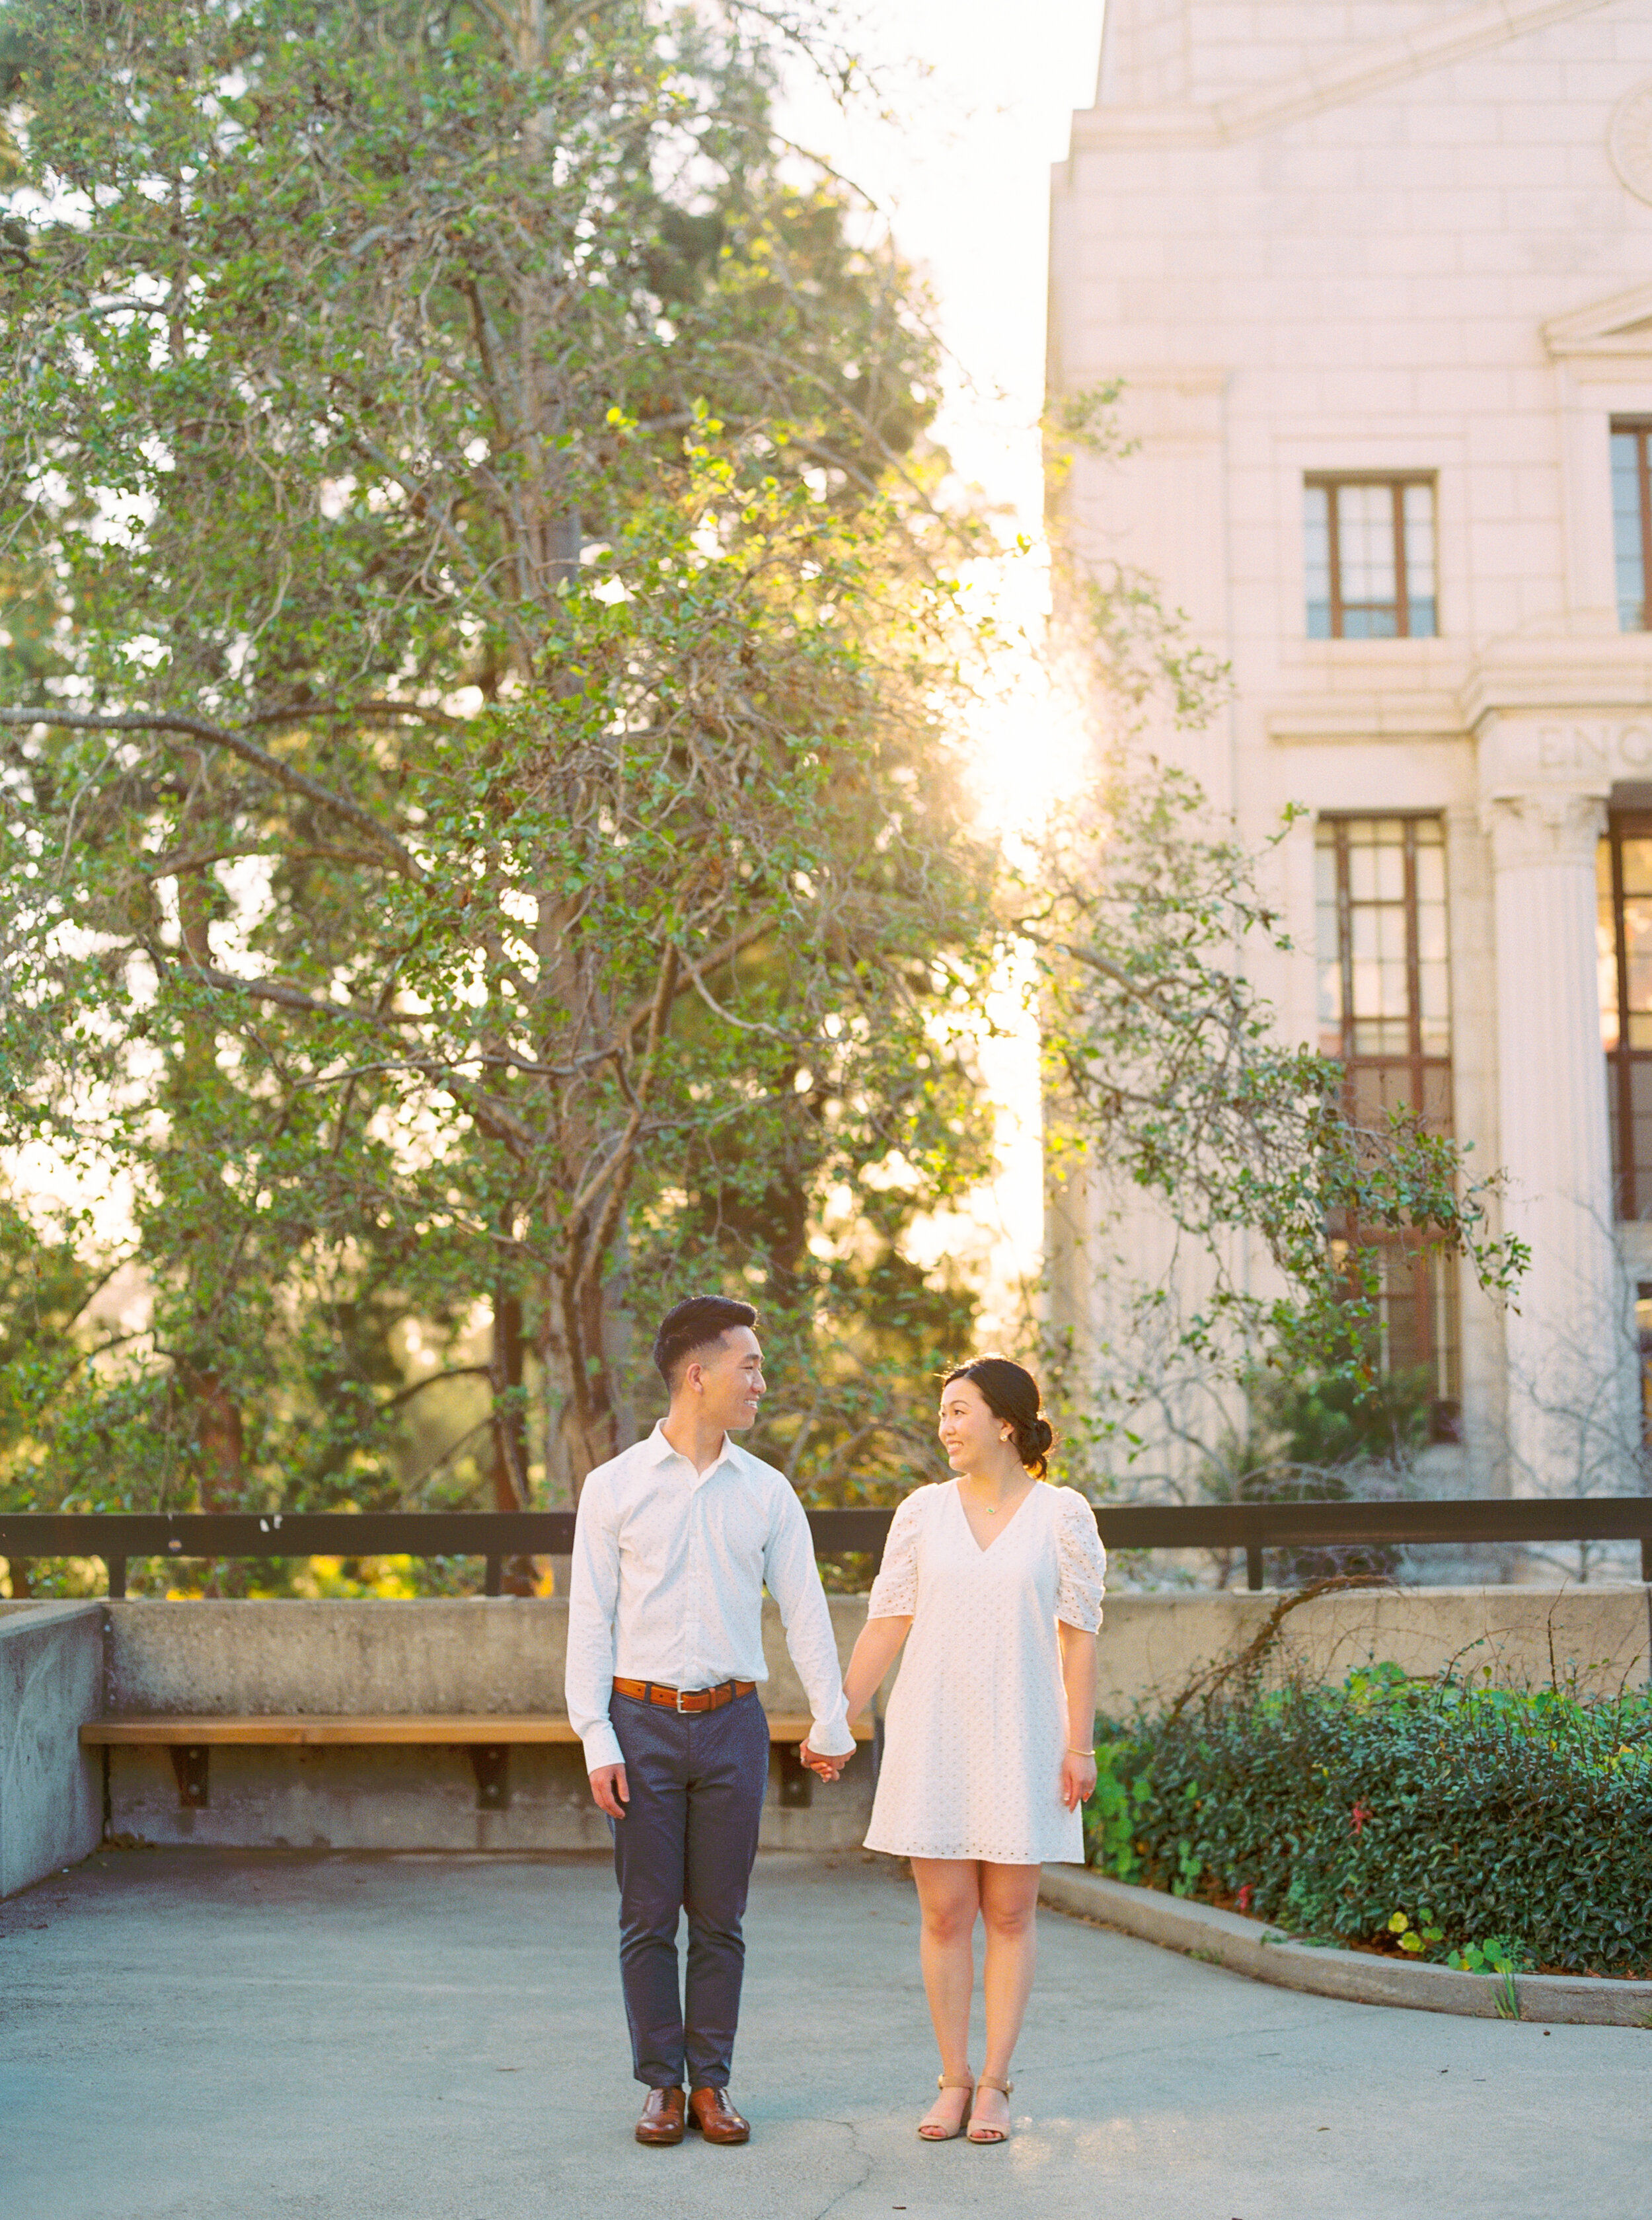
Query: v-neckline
{"x":981,"y":1547}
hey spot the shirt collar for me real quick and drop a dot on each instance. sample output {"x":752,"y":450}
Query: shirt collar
{"x":656,"y":1449}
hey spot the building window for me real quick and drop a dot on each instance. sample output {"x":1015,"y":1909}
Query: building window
{"x":1385,"y":994}
{"x":1369,"y":545}
{"x":1384,"y":1013}
{"x":1623,"y":886}
{"x":1632,"y":521}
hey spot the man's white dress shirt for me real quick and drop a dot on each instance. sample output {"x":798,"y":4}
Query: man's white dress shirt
{"x":669,"y":1567}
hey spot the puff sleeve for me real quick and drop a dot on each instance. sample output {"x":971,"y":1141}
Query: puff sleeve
{"x":894,"y":1591}
{"x":1082,"y":1562}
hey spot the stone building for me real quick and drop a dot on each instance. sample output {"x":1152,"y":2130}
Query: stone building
{"x":1378,"y":275}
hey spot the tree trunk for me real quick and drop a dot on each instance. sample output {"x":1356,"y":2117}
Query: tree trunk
{"x":584,"y":1424}
{"x":511,"y":1488}
{"x":219,"y":1436}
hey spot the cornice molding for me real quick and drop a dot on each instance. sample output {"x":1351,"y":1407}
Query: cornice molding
{"x":1343,"y":719}
{"x":1620,"y":325}
{"x":1585,"y":677}
{"x":1328,"y":85}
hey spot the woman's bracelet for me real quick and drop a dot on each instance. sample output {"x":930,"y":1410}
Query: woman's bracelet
{"x":1071,"y":1752}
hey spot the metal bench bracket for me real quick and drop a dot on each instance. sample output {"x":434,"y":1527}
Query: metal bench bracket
{"x":490,"y":1761}
{"x":796,"y":1781}
{"x":189,"y":1764}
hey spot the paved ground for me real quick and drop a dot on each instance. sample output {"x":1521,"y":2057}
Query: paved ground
{"x":220,"y":2035}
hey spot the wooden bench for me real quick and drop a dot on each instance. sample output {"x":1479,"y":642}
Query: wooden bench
{"x":487,"y":1737}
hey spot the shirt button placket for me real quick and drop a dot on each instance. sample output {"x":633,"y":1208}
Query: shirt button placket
{"x":691,"y":1604}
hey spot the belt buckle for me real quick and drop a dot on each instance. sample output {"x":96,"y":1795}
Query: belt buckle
{"x":678,"y":1694}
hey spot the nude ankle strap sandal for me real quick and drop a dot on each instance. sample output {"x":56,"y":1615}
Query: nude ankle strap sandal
{"x":987,"y":2135}
{"x":949,"y":2135}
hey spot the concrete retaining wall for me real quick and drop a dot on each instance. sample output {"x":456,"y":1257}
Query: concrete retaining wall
{"x":51,"y":1682}
{"x":1595,"y":1638}
{"x":448,"y":1655}
{"x":470,"y":1655}
{"x":451,"y":1654}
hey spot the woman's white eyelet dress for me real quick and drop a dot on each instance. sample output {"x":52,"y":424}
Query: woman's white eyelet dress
{"x":977,"y":1721}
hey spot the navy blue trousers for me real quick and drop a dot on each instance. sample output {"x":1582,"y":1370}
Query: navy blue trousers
{"x":687,"y":1844}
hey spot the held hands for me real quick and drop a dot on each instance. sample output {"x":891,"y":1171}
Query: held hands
{"x":1077,"y":1779}
{"x":828,"y":1768}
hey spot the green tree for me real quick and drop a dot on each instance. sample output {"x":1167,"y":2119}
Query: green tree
{"x":493,"y":847}
{"x":46,"y":1285}
{"x":1166,"y":1066}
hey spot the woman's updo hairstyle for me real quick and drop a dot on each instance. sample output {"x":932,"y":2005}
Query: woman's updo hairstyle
{"x":1011,"y":1393}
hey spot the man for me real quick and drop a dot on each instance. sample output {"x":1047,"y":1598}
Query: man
{"x":674,"y":1542}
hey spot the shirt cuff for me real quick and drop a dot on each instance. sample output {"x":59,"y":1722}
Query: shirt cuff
{"x":830,"y":1737}
{"x":601,"y":1746}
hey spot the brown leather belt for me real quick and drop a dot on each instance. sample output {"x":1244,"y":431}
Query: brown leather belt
{"x":683,"y":1699}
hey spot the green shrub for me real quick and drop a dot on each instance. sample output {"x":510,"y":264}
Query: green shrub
{"x":1484,"y":1828}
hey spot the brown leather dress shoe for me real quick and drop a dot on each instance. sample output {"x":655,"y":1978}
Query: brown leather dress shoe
{"x":662,"y":2117}
{"x":717,"y":2120}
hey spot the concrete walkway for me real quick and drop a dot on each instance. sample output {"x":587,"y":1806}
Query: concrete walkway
{"x":226,"y":2035}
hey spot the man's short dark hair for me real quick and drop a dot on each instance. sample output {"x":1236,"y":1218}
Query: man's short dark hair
{"x":694,"y":1326}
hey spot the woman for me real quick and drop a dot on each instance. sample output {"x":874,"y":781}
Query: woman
{"x":994,"y":1582}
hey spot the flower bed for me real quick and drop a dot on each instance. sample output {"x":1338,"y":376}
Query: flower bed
{"x":1485,"y":1828}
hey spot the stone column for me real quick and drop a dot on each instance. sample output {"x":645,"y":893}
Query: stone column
{"x":1570,"y":1377}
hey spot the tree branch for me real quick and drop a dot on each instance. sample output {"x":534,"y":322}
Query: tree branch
{"x":616,"y":1172}
{"x":294,"y":998}
{"x":223,"y":736}
{"x":433,"y":1379}
{"x":736,"y":944}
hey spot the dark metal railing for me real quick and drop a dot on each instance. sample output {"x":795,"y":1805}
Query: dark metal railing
{"x":118,"y":1537}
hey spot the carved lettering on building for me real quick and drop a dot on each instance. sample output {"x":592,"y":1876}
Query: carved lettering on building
{"x":1594,"y":747}
{"x":1586,"y":752}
